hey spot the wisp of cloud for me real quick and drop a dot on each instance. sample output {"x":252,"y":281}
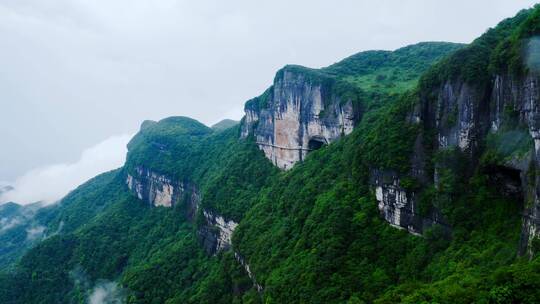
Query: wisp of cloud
{"x":106,"y":293}
{"x":532,"y":55}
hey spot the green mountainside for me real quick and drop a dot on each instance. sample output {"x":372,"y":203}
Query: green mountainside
{"x":224,"y":124}
{"x":390,"y":72}
{"x":314,"y":233}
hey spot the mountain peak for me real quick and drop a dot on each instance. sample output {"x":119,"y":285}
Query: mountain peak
{"x":224,"y":124}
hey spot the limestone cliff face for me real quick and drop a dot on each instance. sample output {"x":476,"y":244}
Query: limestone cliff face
{"x":154,"y":188}
{"x":396,"y":206}
{"x":296,"y":115}
{"x":462,"y":115}
{"x":523,"y":96}
{"x":160,"y":190}
{"x":215,"y":231}
{"x":458,"y":116}
{"x":399,"y":207}
{"x":250,"y":274}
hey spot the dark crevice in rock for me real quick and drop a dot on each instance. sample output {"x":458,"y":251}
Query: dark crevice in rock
{"x":506,"y":180}
{"x":315,"y":143}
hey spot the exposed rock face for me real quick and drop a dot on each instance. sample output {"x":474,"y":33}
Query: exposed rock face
{"x":160,"y":190}
{"x":156,"y":189}
{"x":457,"y":116}
{"x":250,"y":274}
{"x":398,"y":206}
{"x":395,"y":207}
{"x":523,"y":96}
{"x":219,"y":236}
{"x":296,"y":115}
{"x":462,"y":116}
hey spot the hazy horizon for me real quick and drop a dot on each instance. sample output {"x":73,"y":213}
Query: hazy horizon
{"x":79,"y":77}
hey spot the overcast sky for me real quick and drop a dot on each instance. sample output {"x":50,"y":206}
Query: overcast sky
{"x":74,"y":73}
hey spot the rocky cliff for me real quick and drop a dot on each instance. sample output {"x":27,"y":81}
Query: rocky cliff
{"x":307,"y":108}
{"x":160,"y":190}
{"x":522,"y":97}
{"x":298,"y":114}
{"x":399,"y":206}
{"x":468,"y":118}
{"x":215,"y":232}
{"x":154,"y":188}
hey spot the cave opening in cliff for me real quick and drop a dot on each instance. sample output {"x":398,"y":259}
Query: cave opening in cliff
{"x":315,"y":143}
{"x":506,"y":180}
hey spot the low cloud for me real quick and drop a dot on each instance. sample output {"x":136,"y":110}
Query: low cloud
{"x":102,"y":292}
{"x":35,"y":233}
{"x":50,"y":183}
{"x":23,"y":217}
{"x":532,"y":54}
{"x":5,"y":187}
{"x":8,"y":223}
{"x":107,"y":293}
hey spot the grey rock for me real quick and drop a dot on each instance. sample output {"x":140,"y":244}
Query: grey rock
{"x":399,"y":207}
{"x":160,"y":190}
{"x":462,"y":116}
{"x":295,"y":116}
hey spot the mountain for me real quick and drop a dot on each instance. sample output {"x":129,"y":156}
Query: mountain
{"x":224,"y":124}
{"x":388,"y":177}
{"x":307,"y":108}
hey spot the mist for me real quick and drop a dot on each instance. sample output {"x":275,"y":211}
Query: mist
{"x":50,"y":183}
{"x":532,"y":55}
{"x":99,"y":292}
{"x":106,"y":293}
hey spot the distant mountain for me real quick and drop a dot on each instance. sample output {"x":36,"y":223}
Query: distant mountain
{"x":225,"y":124}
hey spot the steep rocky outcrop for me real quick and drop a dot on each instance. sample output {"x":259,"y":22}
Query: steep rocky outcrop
{"x":158,"y":190}
{"x":215,"y":231}
{"x":154,"y":188}
{"x":507,"y":100}
{"x":455,"y":113}
{"x":250,"y":274}
{"x":298,"y":114}
{"x":396,"y":207}
{"x":462,"y":116}
{"x":161,"y":190}
{"x":307,"y":108}
{"x":399,"y":206}
{"x":522,"y":95}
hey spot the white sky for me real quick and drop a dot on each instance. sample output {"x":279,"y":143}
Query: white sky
{"x":76,"y":72}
